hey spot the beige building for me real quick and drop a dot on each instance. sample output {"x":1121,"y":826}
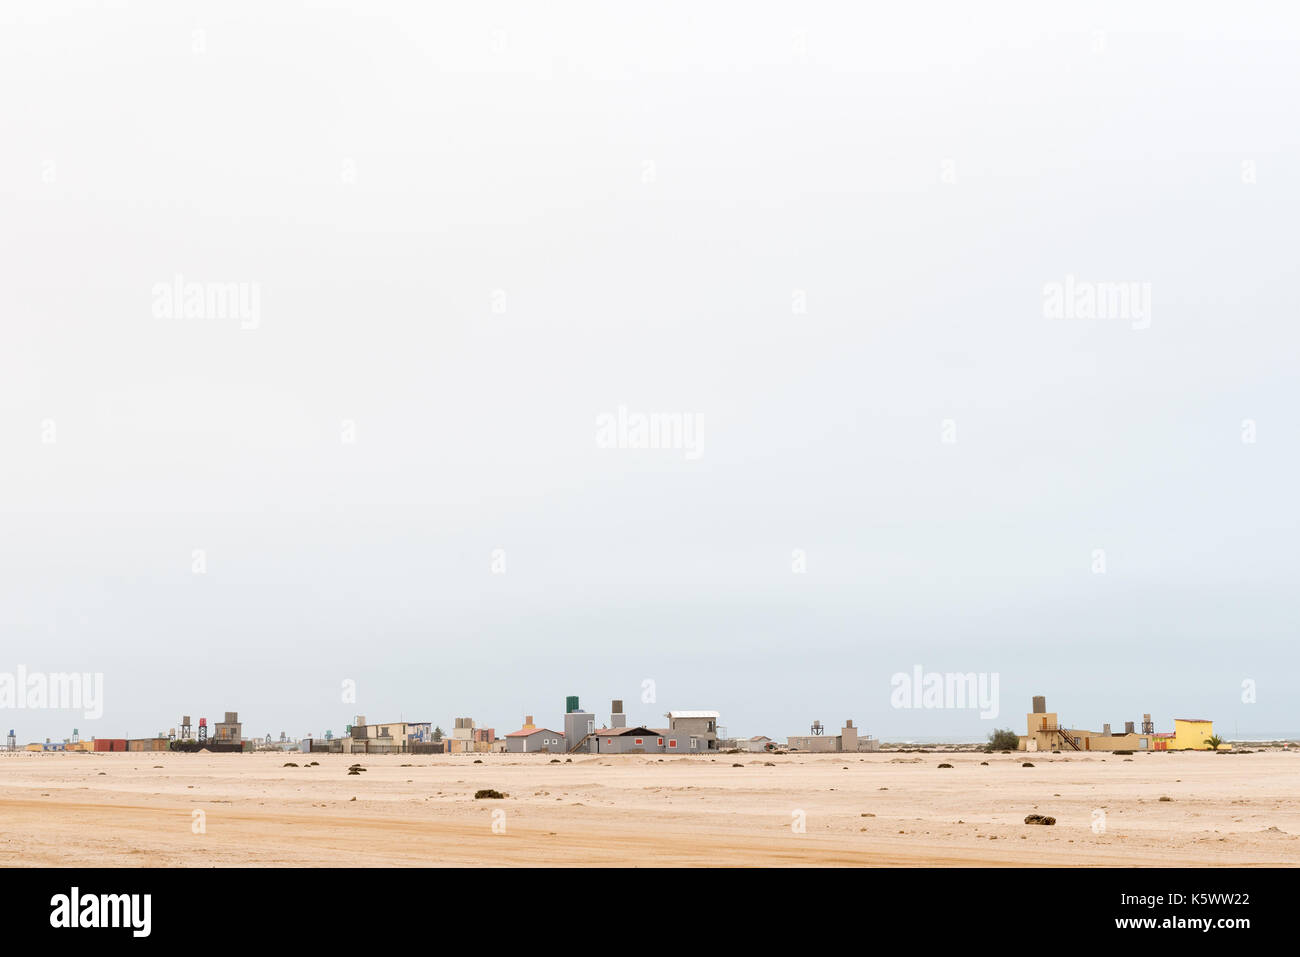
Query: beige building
{"x":388,"y":736}
{"x":229,"y":731}
{"x":847,"y":740}
{"x":697,"y":730}
{"x":1044,"y":732}
{"x":464,"y":739}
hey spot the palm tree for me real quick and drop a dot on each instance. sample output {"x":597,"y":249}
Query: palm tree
{"x":1214,"y":741}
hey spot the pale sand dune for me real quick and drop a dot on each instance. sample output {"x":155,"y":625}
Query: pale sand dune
{"x":58,"y":810}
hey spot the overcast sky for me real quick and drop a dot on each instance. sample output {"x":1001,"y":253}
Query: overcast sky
{"x":822,"y":234}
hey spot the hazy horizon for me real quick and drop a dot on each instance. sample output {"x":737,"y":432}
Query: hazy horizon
{"x":326,"y":335}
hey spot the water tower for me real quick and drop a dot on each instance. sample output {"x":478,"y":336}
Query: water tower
{"x":13,"y":741}
{"x":817,"y":728}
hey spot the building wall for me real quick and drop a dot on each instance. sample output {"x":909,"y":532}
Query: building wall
{"x":817,"y":743}
{"x":1093,"y":741}
{"x":577,"y":724}
{"x":421,"y":731}
{"x":394,"y":734}
{"x":542,"y":741}
{"x":651,"y":743}
{"x":1191,"y":735}
{"x":704,"y":730}
{"x":701,"y":727}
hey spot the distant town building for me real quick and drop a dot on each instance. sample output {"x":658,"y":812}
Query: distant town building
{"x":230,"y":731}
{"x":534,"y":740}
{"x":697,"y":729}
{"x":638,"y":740}
{"x":847,"y":740}
{"x":1044,"y":732}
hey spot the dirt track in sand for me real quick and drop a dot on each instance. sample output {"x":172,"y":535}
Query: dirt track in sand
{"x":880,"y":809}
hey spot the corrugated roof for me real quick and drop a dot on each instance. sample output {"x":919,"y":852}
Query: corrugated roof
{"x":693,"y":714}
{"x":618,"y":732}
{"x":1195,"y":720}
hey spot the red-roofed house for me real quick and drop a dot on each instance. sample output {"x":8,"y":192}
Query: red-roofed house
{"x":534,"y":741}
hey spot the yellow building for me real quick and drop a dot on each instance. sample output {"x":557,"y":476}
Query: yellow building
{"x":1190,"y":734}
{"x":1044,"y":732}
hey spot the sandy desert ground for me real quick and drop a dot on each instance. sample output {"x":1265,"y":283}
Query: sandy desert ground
{"x":879,"y":809}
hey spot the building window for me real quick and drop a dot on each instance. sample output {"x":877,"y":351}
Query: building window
{"x":639,"y":741}
{"x":672,"y":743}
{"x":661,"y":742}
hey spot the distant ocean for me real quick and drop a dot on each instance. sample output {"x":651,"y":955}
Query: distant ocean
{"x":1229,"y":735}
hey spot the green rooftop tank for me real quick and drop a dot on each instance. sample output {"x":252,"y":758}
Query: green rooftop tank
{"x":571,"y":704}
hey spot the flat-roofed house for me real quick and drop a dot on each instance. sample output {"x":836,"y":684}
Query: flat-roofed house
{"x":695,"y":730}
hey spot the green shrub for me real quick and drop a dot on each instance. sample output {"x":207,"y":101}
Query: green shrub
{"x":1003,"y":739}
